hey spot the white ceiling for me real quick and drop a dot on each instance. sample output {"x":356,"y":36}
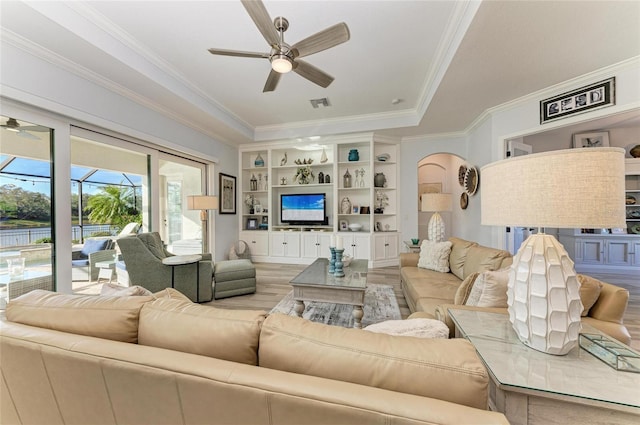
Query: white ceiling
{"x":448,"y":61}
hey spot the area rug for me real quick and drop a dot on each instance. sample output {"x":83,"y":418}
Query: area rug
{"x":380,"y":304}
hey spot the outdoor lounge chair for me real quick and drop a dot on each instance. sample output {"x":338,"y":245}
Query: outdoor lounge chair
{"x":94,"y":250}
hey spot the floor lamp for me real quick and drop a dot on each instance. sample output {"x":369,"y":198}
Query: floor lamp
{"x":572,"y":188}
{"x":435,"y":202}
{"x":203,"y":203}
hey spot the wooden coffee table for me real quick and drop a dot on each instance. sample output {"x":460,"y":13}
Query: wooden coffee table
{"x":316,"y":284}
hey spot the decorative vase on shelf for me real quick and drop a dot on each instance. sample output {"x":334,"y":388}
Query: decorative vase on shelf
{"x":259,"y":162}
{"x":327,"y":178}
{"x":253,"y":183}
{"x":345,"y":206}
{"x":379,"y":180}
{"x":354,"y":155}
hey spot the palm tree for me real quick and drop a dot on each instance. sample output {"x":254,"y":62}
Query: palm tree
{"x":114,"y":205}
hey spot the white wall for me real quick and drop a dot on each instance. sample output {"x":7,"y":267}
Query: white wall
{"x":485,"y":143}
{"x":32,"y":81}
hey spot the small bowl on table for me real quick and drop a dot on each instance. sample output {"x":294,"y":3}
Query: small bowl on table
{"x":415,"y":241}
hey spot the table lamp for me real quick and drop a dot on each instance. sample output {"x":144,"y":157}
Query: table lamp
{"x":572,"y":188}
{"x":203,"y":203}
{"x":436,"y":202}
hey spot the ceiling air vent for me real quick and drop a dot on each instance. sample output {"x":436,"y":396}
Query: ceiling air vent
{"x":320,"y":102}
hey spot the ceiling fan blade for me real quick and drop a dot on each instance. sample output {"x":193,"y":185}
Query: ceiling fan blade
{"x":37,"y":128}
{"x":260,"y":16}
{"x":27,"y":135}
{"x":240,"y":53}
{"x":311,"y":73}
{"x":272,"y":81}
{"x":322,"y":40}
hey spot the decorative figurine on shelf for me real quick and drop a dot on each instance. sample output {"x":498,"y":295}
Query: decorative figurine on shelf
{"x":253,"y":183}
{"x":382,"y":200}
{"x":283,"y":161}
{"x":345,"y":206}
{"x":362,"y":183}
{"x":323,"y":157}
{"x":327,"y":178}
{"x":320,"y":177}
{"x":304,"y":175}
{"x":346,"y":180}
{"x":259,"y":162}
{"x":354,"y":155}
{"x":283,"y":181}
{"x":250,"y":201}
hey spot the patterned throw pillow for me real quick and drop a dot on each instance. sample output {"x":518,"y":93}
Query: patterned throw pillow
{"x":435,"y":256}
{"x":490,"y":289}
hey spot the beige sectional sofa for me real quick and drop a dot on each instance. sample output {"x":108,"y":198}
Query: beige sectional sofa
{"x":164,"y":360}
{"x":430,"y":293}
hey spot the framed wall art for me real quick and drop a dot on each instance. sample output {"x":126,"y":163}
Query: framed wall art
{"x":594,"y":139}
{"x":588,"y":98}
{"x":227,"y":187}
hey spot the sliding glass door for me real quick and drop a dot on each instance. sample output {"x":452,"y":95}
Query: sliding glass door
{"x":26,"y":213}
{"x":181,"y":229}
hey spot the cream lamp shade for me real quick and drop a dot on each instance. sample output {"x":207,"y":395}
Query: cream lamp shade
{"x":573,"y":188}
{"x":203,"y":203}
{"x":436,"y":202}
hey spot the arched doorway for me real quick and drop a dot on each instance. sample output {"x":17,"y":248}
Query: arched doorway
{"x":439,"y":173}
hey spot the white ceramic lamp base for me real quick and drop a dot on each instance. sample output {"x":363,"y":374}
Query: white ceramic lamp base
{"x":543,"y":296}
{"x":435,"y":231}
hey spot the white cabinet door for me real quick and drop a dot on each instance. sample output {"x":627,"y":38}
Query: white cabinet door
{"x":357,"y":245}
{"x":385,"y":247}
{"x":617,"y":252}
{"x":258,"y":242}
{"x":316,"y":245}
{"x":285,"y":244}
{"x":635,"y":253}
{"x":592,"y":251}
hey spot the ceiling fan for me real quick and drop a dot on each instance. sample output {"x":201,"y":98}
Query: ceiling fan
{"x":283,"y":57}
{"x":13,"y":125}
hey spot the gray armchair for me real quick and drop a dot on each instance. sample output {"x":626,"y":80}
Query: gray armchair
{"x":143,"y":254}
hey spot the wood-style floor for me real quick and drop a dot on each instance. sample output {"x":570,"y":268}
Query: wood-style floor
{"x":273,"y":285}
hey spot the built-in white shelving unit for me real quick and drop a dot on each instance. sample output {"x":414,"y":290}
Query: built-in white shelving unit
{"x":373,"y":208}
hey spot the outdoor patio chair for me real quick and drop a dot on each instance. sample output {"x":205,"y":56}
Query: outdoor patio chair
{"x":93,"y":250}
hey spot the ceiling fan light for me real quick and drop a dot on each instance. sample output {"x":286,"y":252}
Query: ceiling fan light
{"x":15,"y":130}
{"x":281,"y":63}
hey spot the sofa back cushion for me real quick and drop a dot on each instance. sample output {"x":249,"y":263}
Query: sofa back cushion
{"x":192,"y":328}
{"x":458,"y":256}
{"x":611,"y":304}
{"x":481,"y":258}
{"x":114,"y":318}
{"x":445,"y":369}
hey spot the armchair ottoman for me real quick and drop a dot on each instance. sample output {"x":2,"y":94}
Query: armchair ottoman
{"x":233,"y":277}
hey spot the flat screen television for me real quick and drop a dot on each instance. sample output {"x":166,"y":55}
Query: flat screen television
{"x":303,"y":208}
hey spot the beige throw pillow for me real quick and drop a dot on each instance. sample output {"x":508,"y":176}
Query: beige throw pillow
{"x":590,"y":289}
{"x":462,"y":294}
{"x":490,"y":289}
{"x":435,"y":256}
